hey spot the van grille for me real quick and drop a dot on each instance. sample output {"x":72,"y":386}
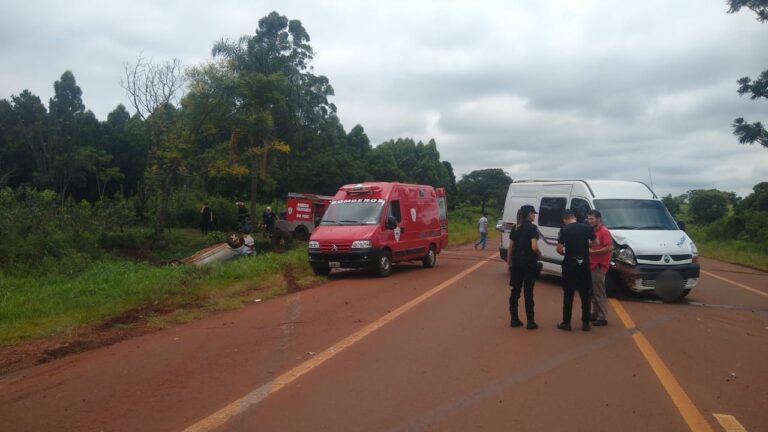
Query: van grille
{"x":339,"y":247}
{"x":683,"y":257}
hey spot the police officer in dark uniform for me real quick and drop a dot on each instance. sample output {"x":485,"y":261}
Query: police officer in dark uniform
{"x":573,"y":243}
{"x":523,"y":259}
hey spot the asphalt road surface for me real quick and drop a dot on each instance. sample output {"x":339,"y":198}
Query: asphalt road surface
{"x":424,"y":349}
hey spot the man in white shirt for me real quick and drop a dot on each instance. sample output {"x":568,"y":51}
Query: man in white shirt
{"x":482,"y":227}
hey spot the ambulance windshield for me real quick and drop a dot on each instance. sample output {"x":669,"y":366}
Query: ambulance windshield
{"x":635,"y":214}
{"x":353,"y":212}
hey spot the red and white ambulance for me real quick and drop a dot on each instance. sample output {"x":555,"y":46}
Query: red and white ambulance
{"x":372,"y":225}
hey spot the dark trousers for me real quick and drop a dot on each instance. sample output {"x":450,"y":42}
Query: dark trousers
{"x":577,"y":279}
{"x":523,"y":278}
{"x":205,"y":225}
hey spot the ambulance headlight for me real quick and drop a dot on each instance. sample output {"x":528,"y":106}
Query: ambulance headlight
{"x":361,"y":244}
{"x":314,"y":244}
{"x":626,"y":255}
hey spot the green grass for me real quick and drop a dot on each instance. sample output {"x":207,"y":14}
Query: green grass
{"x":736,"y":252}
{"x":732,"y":251}
{"x":462,"y":224}
{"x":45,"y":303}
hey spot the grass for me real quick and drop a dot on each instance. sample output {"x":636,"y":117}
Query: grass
{"x":740,"y":252}
{"x":462,"y":225}
{"x":47,"y":303}
{"x":736,"y":252}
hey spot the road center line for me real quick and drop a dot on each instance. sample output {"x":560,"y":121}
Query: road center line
{"x":729,"y":423}
{"x":735,"y":283}
{"x":695,"y":420}
{"x":262,"y":392}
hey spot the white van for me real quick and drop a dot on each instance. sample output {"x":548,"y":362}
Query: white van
{"x":649,"y":247}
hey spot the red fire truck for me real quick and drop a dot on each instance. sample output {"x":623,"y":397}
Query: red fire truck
{"x":303,"y":213}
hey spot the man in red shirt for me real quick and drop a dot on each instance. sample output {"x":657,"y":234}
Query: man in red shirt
{"x":599,"y":261}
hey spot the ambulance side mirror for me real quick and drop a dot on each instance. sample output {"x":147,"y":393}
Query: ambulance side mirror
{"x":391,"y":223}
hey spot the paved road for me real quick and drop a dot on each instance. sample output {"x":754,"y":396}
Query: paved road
{"x":425,"y":349}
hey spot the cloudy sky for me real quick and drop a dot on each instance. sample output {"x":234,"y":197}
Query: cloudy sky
{"x":543,"y":89}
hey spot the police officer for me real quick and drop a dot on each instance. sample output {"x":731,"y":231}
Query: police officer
{"x":523,"y":259}
{"x":573,"y":243}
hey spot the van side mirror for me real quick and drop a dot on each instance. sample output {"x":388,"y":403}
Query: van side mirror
{"x":391,"y":223}
{"x":681,"y":225}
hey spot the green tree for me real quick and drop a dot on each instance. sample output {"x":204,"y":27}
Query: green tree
{"x":672,"y":204}
{"x":750,"y":133}
{"x":486,"y":186}
{"x":707,"y":206}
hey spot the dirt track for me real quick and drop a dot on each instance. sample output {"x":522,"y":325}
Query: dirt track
{"x":449,"y":362}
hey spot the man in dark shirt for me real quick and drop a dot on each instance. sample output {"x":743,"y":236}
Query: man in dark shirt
{"x":573,"y":243}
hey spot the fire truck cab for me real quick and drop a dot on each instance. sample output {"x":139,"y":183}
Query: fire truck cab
{"x":372,"y":225}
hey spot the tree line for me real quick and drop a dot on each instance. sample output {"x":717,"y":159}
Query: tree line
{"x":723,"y":215}
{"x":252,"y":123}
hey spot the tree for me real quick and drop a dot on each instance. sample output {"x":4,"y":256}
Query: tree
{"x":274,"y":95}
{"x":750,"y":133}
{"x":672,"y":204}
{"x":153,"y":89}
{"x":706,"y":206}
{"x":484,"y":186}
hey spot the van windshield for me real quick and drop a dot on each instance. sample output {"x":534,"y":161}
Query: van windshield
{"x":353,"y":212}
{"x":635,"y":214}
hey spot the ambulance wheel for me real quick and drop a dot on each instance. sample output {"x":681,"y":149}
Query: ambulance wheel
{"x":384,"y":266}
{"x":430,"y":259}
{"x":321,"y":270}
{"x":301,"y":233}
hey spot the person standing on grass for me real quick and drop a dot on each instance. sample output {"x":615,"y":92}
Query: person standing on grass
{"x":573,"y":243}
{"x":523,"y":257}
{"x":482,"y":228}
{"x":206,"y":219}
{"x":599,"y":261}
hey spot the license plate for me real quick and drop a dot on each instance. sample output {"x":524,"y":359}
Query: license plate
{"x":334,"y":264}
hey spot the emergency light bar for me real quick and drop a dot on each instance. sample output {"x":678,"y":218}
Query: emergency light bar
{"x":360,"y":189}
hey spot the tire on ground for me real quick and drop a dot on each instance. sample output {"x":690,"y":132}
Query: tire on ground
{"x":430,"y":258}
{"x":384,"y":264}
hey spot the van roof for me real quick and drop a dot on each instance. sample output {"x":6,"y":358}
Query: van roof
{"x":605,"y":189}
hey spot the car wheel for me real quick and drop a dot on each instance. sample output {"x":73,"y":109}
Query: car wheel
{"x":430,"y":259}
{"x":384,"y":266}
{"x":234,"y":240}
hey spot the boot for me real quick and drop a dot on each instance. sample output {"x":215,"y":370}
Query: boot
{"x":531,"y":322}
{"x":515,"y":320}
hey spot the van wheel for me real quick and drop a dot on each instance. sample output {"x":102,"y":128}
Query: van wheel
{"x":384,"y":266}
{"x":430,"y":258}
{"x":301,"y":233}
{"x":321,"y":270}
